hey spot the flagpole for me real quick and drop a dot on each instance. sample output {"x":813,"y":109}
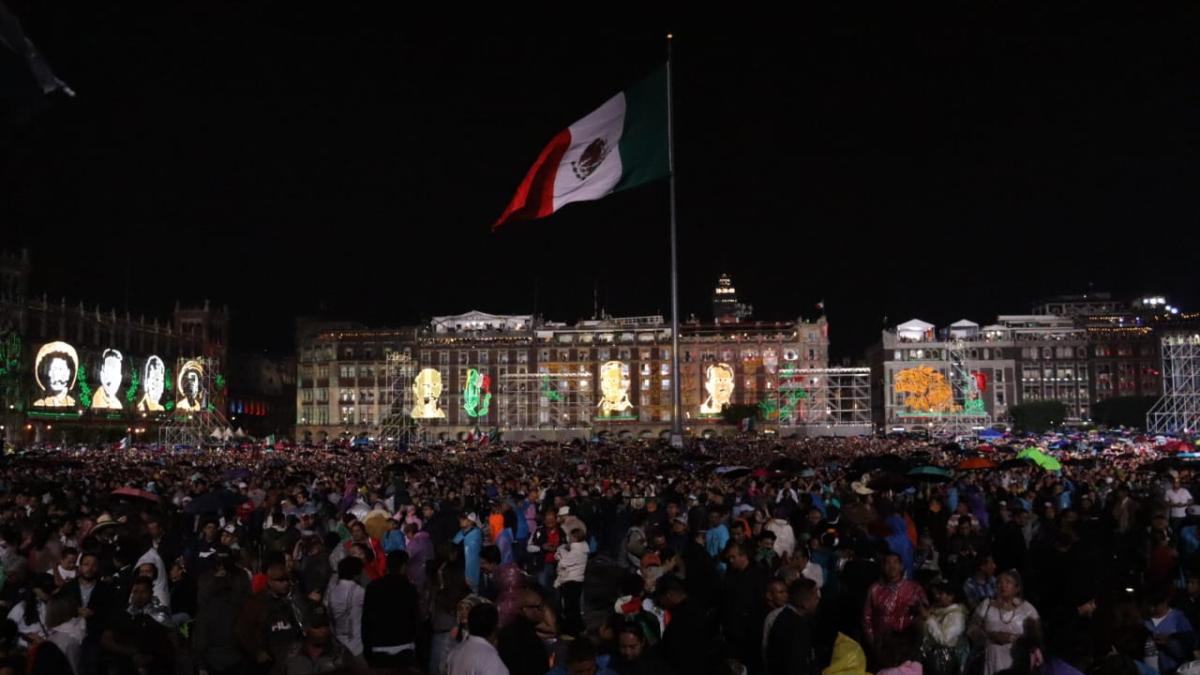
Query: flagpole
{"x":676,"y":407}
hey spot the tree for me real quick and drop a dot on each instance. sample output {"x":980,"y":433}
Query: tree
{"x":1128,"y":411}
{"x":1037,"y":416}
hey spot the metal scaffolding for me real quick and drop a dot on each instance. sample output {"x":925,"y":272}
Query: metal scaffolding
{"x":969,"y":412}
{"x":1178,"y":411}
{"x":197,"y":427}
{"x":396,"y":427}
{"x":824,"y":397}
{"x":546,"y":401}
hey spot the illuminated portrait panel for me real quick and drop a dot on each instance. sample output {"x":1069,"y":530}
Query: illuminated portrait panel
{"x":427,"y":388}
{"x":477,"y":394}
{"x":190,"y":386}
{"x":614,"y":389}
{"x":54,"y":369}
{"x":108,"y":394}
{"x":153,"y":385}
{"x":718,"y":382}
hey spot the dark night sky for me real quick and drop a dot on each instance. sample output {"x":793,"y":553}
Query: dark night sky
{"x":351,"y":161}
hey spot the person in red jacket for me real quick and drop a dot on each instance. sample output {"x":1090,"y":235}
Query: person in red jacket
{"x":358,"y":535}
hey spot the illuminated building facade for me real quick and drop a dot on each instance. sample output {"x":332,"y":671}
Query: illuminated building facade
{"x":89,"y":373}
{"x":1078,"y":350}
{"x":478,"y":372}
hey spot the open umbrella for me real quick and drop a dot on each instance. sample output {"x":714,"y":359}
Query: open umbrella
{"x":1008,"y":464}
{"x":214,"y":502}
{"x":1040,"y":458}
{"x":134,"y":493}
{"x":889,"y":481}
{"x":931,"y":474}
{"x":976,"y":464}
{"x":893,"y":463}
{"x":732,"y":472}
{"x":236,"y":474}
{"x":785,"y":465}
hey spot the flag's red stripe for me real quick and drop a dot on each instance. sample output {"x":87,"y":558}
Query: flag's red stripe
{"x":535,"y":195}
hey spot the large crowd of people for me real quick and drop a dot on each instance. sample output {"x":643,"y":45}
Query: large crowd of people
{"x":751,"y":555}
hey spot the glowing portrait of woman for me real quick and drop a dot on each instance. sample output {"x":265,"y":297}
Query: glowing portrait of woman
{"x":153,"y":384}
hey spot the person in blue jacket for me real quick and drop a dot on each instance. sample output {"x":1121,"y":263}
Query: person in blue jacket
{"x":471,"y":539}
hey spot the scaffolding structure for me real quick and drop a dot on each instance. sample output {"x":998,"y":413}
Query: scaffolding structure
{"x":968,"y":413}
{"x":546,"y":401}
{"x":196,"y":427}
{"x":823,"y":397}
{"x":1178,"y":411}
{"x":396,"y":427}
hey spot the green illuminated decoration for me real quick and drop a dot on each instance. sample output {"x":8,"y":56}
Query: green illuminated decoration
{"x":550,"y":394}
{"x":169,"y":405}
{"x":219,"y":379}
{"x":85,"y":390}
{"x":212,"y":408}
{"x":134,"y":381}
{"x":477,"y":394}
{"x":974,"y":407}
{"x":10,"y":354}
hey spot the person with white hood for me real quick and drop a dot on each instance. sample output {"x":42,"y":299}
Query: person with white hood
{"x":572,"y":563}
{"x":344,"y":598}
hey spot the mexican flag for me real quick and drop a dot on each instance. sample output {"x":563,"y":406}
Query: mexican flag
{"x":620,"y":145}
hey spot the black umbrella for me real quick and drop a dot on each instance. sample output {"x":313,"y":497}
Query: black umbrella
{"x":214,"y":502}
{"x":893,"y":463}
{"x":1014,"y":464}
{"x":889,"y":481}
{"x":785,"y":465}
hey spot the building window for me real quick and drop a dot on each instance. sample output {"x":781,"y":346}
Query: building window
{"x":503,"y":356}
{"x":307,"y":396}
{"x":443,"y":358}
{"x":602,"y":353}
{"x":624,"y":355}
{"x":666,"y":383}
{"x":645,"y":384}
{"x":483,"y":356}
{"x":462,"y":357}
{"x":522,"y":357}
{"x":665,"y":369}
{"x":346,"y":372}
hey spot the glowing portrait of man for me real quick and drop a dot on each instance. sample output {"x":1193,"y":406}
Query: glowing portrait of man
{"x":427,"y":388}
{"x":108,"y":395}
{"x":153,"y":376}
{"x":614,"y":388}
{"x":191,"y":395}
{"x":54,"y":370}
{"x":718,"y":382}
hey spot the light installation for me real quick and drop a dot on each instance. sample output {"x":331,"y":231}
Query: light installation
{"x":55,"y":370}
{"x":477,"y":394}
{"x":427,"y":388}
{"x":614,"y":390}
{"x":108,"y":396}
{"x":154,"y":383}
{"x":549,"y":391}
{"x":718,"y":382}
{"x":191,"y":393}
{"x":925,"y":390}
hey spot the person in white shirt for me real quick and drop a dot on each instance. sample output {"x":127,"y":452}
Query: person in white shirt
{"x":572,"y":563}
{"x":785,"y":537}
{"x":30,"y":614}
{"x":477,"y":654}
{"x":808,"y":569}
{"x":1179,"y":499}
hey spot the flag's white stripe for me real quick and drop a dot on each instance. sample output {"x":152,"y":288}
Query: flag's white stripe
{"x":605,"y":123}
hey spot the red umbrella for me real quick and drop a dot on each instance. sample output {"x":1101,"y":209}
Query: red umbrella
{"x":985,"y":448}
{"x":135,"y":493}
{"x":976,"y":463}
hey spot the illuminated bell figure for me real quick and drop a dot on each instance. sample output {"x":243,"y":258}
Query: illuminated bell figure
{"x":427,"y":387}
{"x":107,"y":396}
{"x":54,"y":370}
{"x":613,"y":389}
{"x":718,"y":382}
